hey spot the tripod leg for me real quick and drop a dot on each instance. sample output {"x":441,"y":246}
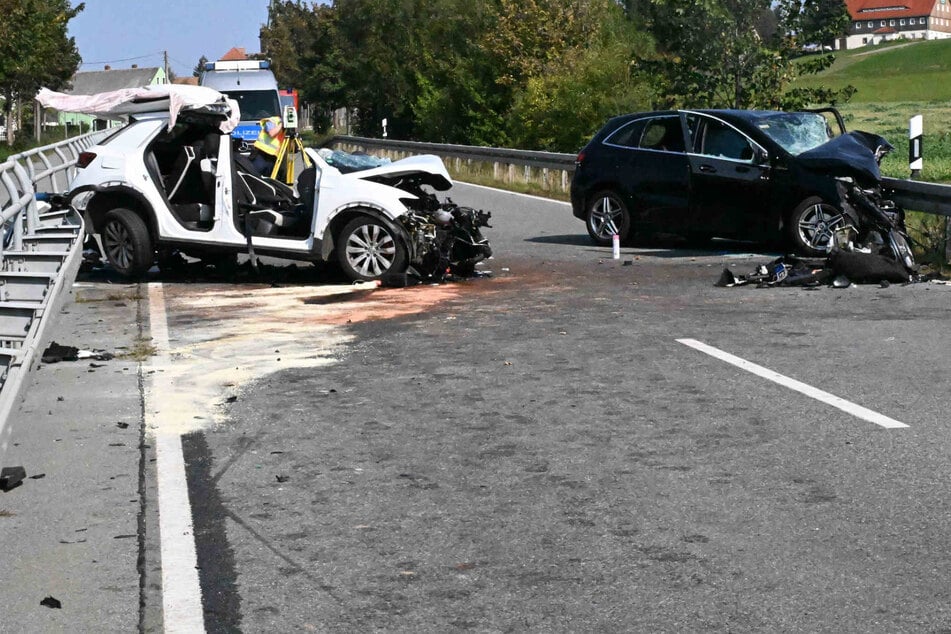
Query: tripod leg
{"x":300,"y":148}
{"x":289,"y":172}
{"x":281,"y":156}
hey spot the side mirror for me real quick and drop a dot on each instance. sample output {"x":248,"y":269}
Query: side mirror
{"x":760,"y":156}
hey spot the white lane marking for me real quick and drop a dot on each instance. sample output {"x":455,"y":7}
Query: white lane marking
{"x":181,"y":590}
{"x":505,"y":191}
{"x":829,"y":399}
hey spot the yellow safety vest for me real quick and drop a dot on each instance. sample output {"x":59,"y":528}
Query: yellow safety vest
{"x":267,"y":143}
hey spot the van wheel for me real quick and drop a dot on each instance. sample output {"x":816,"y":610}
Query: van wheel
{"x":127,"y":243}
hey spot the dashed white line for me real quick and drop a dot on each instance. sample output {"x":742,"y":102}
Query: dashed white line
{"x":181,"y":590}
{"x":820,"y":395}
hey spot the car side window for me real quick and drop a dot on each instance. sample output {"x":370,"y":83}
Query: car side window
{"x":664,"y":134}
{"x":722,"y":141}
{"x":628,"y":135}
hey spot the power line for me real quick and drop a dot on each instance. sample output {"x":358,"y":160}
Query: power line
{"x":125,"y":59}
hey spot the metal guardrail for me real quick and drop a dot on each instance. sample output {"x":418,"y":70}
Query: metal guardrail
{"x":932,"y":198}
{"x":40,"y":253}
{"x":507,"y":165}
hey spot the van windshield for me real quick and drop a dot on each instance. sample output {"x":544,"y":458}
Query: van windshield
{"x":256,"y":104}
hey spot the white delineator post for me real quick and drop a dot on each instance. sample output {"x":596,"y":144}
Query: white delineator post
{"x":915,"y":162}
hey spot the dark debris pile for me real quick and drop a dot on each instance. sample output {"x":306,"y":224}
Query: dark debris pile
{"x":840,"y":270}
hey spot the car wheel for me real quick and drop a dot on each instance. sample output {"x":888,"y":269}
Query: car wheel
{"x":607,"y":215}
{"x":367,"y":250}
{"x":127,"y":243}
{"x":812,"y":225}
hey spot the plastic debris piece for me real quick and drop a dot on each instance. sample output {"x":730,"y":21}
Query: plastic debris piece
{"x":11,"y":478}
{"x":283,"y":478}
{"x":51,"y":602}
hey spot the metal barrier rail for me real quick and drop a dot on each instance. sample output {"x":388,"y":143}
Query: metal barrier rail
{"x":40,"y":253}
{"x":932,"y":198}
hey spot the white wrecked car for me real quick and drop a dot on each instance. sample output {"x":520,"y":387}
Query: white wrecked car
{"x":170,"y":181}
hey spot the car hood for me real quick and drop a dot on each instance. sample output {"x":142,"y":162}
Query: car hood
{"x":853,"y":154}
{"x":158,"y":98}
{"x":427,"y":168}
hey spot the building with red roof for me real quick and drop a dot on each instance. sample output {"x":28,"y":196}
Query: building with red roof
{"x":875,"y":21}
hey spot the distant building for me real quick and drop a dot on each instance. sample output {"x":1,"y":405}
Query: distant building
{"x":876,"y":21}
{"x":93,"y":82}
{"x":236,"y":54}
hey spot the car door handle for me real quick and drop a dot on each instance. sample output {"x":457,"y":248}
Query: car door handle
{"x":708,"y":169}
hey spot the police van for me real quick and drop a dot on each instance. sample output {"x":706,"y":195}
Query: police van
{"x":251,"y":83}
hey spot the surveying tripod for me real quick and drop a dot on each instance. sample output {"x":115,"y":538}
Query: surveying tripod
{"x":290,"y":146}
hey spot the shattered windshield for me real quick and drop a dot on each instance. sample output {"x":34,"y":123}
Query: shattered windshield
{"x":796,"y":132}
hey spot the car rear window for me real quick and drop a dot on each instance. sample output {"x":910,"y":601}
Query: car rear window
{"x":628,"y":135}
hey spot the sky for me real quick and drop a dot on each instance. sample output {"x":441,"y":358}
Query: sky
{"x":126,"y":32}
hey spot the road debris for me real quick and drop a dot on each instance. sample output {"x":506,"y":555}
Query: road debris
{"x":55,"y":353}
{"x":841,"y":269}
{"x":11,"y":478}
{"x":51,"y":602}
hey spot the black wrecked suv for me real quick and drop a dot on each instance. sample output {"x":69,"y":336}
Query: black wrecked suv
{"x":710,"y":173}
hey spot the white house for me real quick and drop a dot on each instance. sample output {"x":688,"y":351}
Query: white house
{"x":875,"y":21}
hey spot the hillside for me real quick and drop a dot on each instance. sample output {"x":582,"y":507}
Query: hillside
{"x":901,"y":71}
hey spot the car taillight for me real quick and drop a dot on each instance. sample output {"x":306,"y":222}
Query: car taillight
{"x":580,"y":158}
{"x":85,"y":158}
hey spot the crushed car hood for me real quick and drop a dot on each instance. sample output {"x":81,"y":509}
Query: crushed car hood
{"x":170,"y":98}
{"x":428,"y":168}
{"x":851,"y":154}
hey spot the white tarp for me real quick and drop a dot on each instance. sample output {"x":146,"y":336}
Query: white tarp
{"x":155,"y":98}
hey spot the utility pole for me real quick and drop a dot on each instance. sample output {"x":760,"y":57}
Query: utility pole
{"x":165,"y":66}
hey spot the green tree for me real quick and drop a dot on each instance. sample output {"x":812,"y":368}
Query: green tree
{"x":35,"y":50}
{"x":564,"y":102}
{"x":287,"y":40}
{"x":822,"y":22}
{"x":457,"y":98}
{"x":730,"y":53}
{"x":199,"y":68}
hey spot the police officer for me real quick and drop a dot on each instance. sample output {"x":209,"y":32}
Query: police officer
{"x":268,"y":145}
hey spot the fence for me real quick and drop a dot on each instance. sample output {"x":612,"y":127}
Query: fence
{"x":40,"y":253}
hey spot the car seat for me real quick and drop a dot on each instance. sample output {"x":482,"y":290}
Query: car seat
{"x":270,"y":205}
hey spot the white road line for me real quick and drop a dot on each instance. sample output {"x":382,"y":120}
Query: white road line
{"x":506,"y":191}
{"x":181,"y":590}
{"x":829,"y":399}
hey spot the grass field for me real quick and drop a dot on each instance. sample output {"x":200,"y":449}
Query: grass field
{"x":898,"y":71}
{"x":894,"y":82}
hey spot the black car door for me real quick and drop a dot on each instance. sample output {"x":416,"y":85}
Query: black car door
{"x":662,"y":175}
{"x":729,"y":181}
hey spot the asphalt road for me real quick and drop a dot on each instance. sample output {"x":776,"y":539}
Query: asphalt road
{"x":533,"y":451}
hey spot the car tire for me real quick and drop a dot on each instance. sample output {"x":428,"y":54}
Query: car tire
{"x":127,"y":243}
{"x":811,"y":226}
{"x":367,"y":249}
{"x":604,"y":208}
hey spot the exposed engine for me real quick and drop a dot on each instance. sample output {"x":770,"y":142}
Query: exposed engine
{"x":446,"y":238}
